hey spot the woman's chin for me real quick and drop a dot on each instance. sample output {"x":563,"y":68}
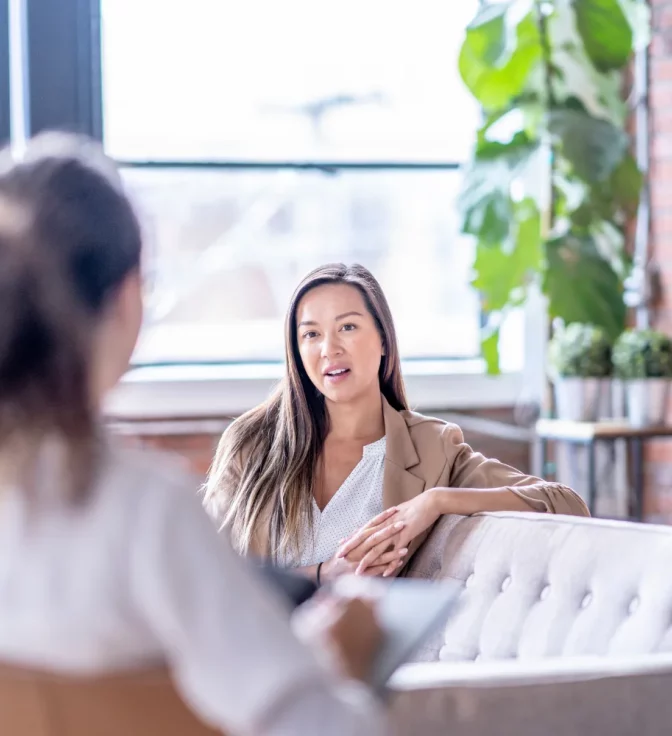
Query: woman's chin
{"x":340,"y":394}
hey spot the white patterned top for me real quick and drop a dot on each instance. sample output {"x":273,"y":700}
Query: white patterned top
{"x":355,"y":503}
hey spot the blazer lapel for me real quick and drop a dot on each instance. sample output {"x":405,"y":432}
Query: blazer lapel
{"x":399,"y":484}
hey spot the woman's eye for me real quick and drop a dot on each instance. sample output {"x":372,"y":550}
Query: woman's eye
{"x":308,"y":335}
{"x":349,"y":327}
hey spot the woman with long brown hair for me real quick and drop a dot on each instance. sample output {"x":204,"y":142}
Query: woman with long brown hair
{"x":334,"y":473}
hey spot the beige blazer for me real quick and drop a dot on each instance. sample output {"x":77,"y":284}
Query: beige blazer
{"x":424,"y":452}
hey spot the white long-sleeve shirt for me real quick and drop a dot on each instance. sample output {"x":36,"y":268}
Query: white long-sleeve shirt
{"x":138,"y":574}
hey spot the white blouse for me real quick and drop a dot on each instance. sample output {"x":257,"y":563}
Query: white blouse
{"x":354,"y":504}
{"x":138,"y":574}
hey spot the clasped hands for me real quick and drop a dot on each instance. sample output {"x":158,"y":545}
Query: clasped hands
{"x":380,"y":547}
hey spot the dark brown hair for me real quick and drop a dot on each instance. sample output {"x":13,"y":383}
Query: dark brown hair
{"x":282,"y":439}
{"x":68,"y":238}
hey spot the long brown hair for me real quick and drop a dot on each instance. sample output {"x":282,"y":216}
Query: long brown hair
{"x":282,"y":439}
{"x":68,"y":238}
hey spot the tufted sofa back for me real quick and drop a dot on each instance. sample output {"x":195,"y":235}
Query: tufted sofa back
{"x":536,"y":586}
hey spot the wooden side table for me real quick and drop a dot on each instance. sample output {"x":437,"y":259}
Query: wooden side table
{"x":589,"y":434}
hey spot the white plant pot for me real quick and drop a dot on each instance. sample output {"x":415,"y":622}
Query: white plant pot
{"x":580,"y":399}
{"x":646,"y":401}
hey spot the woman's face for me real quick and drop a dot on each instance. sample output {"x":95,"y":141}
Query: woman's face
{"x":339,"y":344}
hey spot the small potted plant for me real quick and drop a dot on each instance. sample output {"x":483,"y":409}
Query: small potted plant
{"x":580,"y":367}
{"x":642,"y":359}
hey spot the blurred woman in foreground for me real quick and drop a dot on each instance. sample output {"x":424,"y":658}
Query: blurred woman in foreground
{"x":107,"y":559}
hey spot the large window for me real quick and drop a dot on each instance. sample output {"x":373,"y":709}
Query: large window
{"x":266,"y":137}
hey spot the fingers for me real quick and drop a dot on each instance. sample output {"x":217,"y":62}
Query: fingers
{"x":376,"y":521}
{"x":393,"y":567}
{"x":383,"y":571}
{"x":368,"y":540}
{"x":383,"y":516}
{"x":358,"y":553}
{"x":393,"y":555}
{"x":378,"y":556}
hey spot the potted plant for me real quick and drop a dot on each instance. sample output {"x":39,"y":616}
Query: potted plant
{"x":551,"y":184}
{"x":580,"y":366}
{"x":642,"y":359}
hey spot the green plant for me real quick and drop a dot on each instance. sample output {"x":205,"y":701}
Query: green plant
{"x":642,"y":354}
{"x":580,"y":351}
{"x":548,"y":75}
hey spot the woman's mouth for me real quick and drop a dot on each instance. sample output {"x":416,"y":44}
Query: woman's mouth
{"x":337,"y":375}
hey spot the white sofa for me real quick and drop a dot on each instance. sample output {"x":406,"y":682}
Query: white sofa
{"x":564,"y":626}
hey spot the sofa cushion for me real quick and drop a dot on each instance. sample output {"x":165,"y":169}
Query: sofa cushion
{"x":535,"y":586}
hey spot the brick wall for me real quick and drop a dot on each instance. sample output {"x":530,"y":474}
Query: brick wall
{"x":658,"y":501}
{"x":195,"y":440}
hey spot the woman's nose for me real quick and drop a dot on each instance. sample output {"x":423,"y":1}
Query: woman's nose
{"x":331,"y":346}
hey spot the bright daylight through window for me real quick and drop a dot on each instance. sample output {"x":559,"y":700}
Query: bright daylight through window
{"x":366,"y":93}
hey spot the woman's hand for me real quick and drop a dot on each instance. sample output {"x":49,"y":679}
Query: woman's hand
{"x":345,"y":629}
{"x":389,"y":560}
{"x":386,"y":530}
{"x":371,"y":545}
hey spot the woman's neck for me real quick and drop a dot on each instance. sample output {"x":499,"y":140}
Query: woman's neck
{"x":360,"y":420}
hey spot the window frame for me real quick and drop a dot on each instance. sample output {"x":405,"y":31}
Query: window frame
{"x":68,"y":42}
{"x":64,"y":43}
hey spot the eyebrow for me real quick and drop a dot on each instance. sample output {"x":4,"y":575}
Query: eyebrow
{"x":309,"y":322}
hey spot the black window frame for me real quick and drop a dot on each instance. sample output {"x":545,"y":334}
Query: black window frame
{"x":64,"y":66}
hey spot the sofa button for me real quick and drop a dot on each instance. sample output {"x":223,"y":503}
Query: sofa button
{"x":634,"y":605}
{"x":469,"y":581}
{"x":506,"y":582}
{"x":587,"y":600}
{"x":545,"y":592}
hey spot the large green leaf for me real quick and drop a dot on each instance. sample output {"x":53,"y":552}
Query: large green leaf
{"x":514,"y":150}
{"x":490,"y":220}
{"x":500,"y":271}
{"x":605,"y":31}
{"x":592,"y":145}
{"x":517,"y":49}
{"x":601,"y":93}
{"x":626,"y":185}
{"x":484,"y":201}
{"x":503,"y":273}
{"x":489,"y":33}
{"x":609,"y":204}
{"x":490,"y":350}
{"x":582,"y":286}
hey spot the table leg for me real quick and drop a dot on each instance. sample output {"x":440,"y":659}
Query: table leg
{"x":637,"y":499}
{"x":544,"y":456}
{"x":592,"y":480}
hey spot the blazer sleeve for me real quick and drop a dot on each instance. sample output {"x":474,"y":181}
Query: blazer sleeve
{"x":470,"y":469}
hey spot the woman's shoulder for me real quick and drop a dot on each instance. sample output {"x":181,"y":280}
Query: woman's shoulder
{"x":431,"y":429}
{"x":437,"y":443}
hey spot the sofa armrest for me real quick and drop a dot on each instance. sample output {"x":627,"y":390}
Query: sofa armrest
{"x":556,"y":697}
